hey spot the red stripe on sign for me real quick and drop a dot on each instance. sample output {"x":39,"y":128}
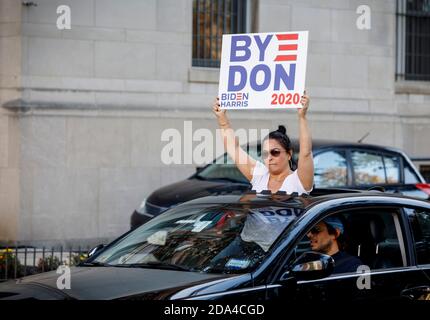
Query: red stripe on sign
{"x":286,"y":58}
{"x":291,"y":36}
{"x":285,"y":47}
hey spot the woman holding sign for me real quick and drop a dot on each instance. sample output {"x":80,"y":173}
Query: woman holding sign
{"x":276,"y":173}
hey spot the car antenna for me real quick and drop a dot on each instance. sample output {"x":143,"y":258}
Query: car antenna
{"x":363,"y":137}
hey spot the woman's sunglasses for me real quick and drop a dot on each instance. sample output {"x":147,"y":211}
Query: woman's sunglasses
{"x":274,"y":153}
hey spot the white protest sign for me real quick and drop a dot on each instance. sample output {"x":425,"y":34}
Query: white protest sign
{"x":263,"y":70}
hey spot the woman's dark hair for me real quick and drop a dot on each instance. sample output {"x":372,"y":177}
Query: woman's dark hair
{"x":281,"y":136}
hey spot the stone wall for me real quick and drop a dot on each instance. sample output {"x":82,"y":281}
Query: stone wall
{"x":10,"y":82}
{"x":80,"y":141}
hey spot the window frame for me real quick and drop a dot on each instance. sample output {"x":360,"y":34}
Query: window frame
{"x":382,"y":154}
{"x":402,"y":16}
{"x":242,"y":26}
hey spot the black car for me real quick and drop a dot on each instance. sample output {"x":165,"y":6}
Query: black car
{"x":337,"y":164}
{"x":256,"y":247}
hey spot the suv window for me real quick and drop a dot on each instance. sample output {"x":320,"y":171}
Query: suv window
{"x":368,"y":168}
{"x":410,"y":176}
{"x":420,"y":223}
{"x":330,"y":169}
{"x":392,"y":169}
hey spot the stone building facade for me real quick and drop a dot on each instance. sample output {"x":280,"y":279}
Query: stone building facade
{"x":83,"y":110}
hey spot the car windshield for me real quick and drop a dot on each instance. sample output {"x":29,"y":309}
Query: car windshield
{"x":216,"y":171}
{"x":223,"y":167}
{"x":215,"y":239}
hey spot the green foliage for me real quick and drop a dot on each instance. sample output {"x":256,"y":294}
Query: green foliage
{"x":48,"y":263}
{"x":8,"y":262}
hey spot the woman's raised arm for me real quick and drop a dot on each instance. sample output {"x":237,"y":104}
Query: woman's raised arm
{"x":243,"y":161}
{"x":305,"y":168}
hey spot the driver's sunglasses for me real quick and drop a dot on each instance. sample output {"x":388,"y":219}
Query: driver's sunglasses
{"x":274,"y":153}
{"x":316,"y":230}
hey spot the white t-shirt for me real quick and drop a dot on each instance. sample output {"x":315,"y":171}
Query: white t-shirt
{"x":260,"y":180}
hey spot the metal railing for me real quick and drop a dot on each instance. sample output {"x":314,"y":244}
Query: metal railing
{"x":212,"y":19}
{"x":413,"y":40}
{"x":17,"y":262}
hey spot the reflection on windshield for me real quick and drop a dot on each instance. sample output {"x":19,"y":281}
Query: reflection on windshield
{"x":224,"y":168}
{"x":264,"y":225}
{"x":211,"y":239}
{"x":222,"y":172}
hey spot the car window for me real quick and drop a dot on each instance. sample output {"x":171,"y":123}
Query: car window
{"x":375,"y":237}
{"x":330,"y":169}
{"x":420,"y":223}
{"x":254,"y":152}
{"x":368,"y":168}
{"x":410,"y":176}
{"x":368,"y":238}
{"x":392,"y":169}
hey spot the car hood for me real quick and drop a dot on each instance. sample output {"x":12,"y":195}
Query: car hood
{"x":191,"y":189}
{"x":104,"y":283}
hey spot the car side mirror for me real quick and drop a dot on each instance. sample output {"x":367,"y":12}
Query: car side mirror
{"x":95,"y":250}
{"x":199,"y":168}
{"x":311,"y":266}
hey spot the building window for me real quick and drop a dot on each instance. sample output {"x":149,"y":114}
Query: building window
{"x":212,"y":19}
{"x":413,"y":40}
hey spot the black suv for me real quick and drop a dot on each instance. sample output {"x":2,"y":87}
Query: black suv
{"x":337,"y":165}
{"x":258,"y":247}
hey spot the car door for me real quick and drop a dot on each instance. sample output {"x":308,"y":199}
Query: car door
{"x":377,"y":236}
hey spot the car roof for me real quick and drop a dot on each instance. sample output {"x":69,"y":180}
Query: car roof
{"x":294,"y":201}
{"x":321,"y":144}
{"x":326,"y":143}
